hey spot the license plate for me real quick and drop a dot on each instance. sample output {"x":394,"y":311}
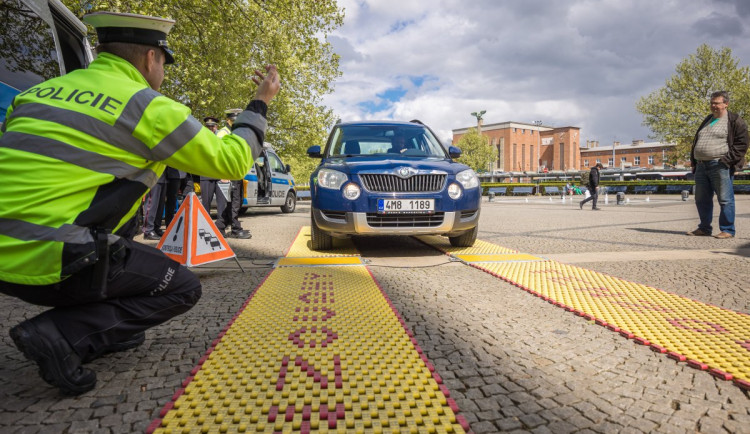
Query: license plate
{"x":387,"y":206}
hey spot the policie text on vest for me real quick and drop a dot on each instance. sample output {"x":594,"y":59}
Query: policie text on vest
{"x":102,"y":102}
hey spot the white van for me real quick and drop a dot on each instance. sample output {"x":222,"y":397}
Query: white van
{"x":41,"y":39}
{"x":269,"y":183}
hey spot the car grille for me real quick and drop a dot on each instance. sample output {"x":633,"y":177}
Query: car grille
{"x":405,"y":220}
{"x":396,"y":184}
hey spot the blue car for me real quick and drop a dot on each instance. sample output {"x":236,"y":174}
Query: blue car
{"x":391,"y":178}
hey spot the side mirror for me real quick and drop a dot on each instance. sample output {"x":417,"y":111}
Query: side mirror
{"x":314,"y":152}
{"x":454,"y":152}
{"x":288,"y":168}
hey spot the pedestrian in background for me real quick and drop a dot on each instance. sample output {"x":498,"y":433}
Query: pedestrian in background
{"x":231,"y":215}
{"x":72,"y":249}
{"x":153,"y":209}
{"x":593,"y":187}
{"x":718,"y":151}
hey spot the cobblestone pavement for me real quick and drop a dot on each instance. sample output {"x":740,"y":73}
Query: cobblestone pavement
{"x":512,"y":361}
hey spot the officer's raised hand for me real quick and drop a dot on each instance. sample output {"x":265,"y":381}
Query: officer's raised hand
{"x":268,"y":84}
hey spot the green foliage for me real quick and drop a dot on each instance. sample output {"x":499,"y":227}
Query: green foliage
{"x":219,"y":44}
{"x":674,"y":112}
{"x":476,"y":151}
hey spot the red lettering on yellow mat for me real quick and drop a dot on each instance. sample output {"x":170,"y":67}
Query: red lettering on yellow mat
{"x":316,"y":289}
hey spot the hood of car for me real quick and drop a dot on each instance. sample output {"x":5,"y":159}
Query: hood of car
{"x":404,"y":165}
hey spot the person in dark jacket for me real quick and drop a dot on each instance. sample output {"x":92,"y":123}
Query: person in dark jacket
{"x":718,"y":151}
{"x":593,"y":187}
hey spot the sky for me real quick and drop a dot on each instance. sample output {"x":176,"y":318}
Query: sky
{"x":582,"y":63}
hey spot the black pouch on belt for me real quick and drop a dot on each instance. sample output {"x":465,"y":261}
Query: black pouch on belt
{"x":101,"y":267}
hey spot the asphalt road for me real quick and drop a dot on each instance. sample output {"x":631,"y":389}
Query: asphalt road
{"x":512,"y":361}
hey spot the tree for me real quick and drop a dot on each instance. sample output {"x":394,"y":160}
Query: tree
{"x":477,"y":152}
{"x":674,"y":112}
{"x":219,"y":44}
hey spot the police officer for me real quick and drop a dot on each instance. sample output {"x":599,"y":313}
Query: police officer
{"x":230,"y":216}
{"x":211,"y":123}
{"x":108,"y":129}
{"x":188,"y":182}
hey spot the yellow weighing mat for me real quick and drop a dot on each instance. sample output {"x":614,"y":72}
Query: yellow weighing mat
{"x":317,"y":347}
{"x":707,"y":337}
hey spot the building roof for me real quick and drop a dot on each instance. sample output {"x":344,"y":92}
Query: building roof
{"x":627,"y":146}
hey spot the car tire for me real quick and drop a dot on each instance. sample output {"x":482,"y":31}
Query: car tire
{"x":290,"y":204}
{"x":466,"y":239}
{"x":319,"y":239}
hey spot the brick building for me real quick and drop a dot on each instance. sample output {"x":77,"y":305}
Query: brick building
{"x":646,"y":155}
{"x":523,"y":147}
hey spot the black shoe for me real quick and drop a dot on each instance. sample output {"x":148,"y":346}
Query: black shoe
{"x":41,"y":342}
{"x":580,"y":204}
{"x":243,"y":234}
{"x":596,"y":209}
{"x":159,"y":232}
{"x":151,"y":236}
{"x":135,"y":341}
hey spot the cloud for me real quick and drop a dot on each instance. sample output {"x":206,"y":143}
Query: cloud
{"x":582,"y":63}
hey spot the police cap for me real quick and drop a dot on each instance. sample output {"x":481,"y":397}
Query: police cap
{"x":232,"y":113}
{"x":210,"y":121}
{"x":132,"y":29}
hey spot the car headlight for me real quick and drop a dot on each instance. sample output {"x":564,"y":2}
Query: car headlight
{"x":352,"y":191}
{"x":468,"y":179}
{"x":454,"y":191}
{"x":332,"y":179}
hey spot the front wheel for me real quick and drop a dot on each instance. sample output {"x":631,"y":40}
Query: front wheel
{"x":290,"y":204}
{"x":466,"y":239}
{"x":320,"y":239}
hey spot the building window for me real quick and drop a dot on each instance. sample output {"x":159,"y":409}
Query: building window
{"x":637,"y":160}
{"x":523,"y":131}
{"x":610,"y":162}
{"x":598,"y":160}
{"x":623,"y":159}
{"x":650,"y":160}
{"x":515,"y":129}
{"x":586,"y":163}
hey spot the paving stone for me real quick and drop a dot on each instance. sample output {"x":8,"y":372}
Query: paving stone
{"x":503,"y":353}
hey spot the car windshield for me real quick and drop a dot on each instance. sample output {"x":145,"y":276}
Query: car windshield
{"x":365,"y":140}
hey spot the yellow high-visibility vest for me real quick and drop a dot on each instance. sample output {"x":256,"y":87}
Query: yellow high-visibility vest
{"x":78,"y":152}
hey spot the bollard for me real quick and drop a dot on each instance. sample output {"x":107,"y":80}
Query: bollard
{"x":620,"y":198}
{"x":606,"y":199}
{"x":685,"y":195}
{"x":491,"y":196}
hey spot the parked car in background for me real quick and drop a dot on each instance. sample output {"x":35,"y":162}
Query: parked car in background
{"x":269,"y":183}
{"x":391,"y":178}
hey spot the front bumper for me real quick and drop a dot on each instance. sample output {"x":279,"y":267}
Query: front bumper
{"x":342,"y":224}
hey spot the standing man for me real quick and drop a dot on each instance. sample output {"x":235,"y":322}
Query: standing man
{"x":718,"y":151}
{"x":231,"y":214}
{"x":593,"y":187}
{"x":108,"y":129}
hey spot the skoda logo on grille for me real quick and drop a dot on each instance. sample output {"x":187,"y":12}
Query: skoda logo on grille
{"x":406,"y":172}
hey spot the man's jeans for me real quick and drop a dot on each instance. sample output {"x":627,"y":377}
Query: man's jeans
{"x":714,"y":177}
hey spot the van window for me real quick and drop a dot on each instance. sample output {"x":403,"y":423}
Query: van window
{"x":276,"y":165}
{"x":27,"y":51}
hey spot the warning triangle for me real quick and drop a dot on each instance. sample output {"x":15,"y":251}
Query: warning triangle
{"x":192,"y":238}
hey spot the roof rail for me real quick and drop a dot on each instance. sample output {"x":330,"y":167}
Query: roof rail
{"x":416,"y":121}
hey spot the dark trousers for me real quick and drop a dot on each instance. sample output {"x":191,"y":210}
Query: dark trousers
{"x":209,"y":189}
{"x":153,"y":208}
{"x":144,"y":288}
{"x":594,"y":196}
{"x":231,"y":214}
{"x":170,"y":199}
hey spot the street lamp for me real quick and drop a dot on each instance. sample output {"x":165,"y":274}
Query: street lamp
{"x":539,"y":134}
